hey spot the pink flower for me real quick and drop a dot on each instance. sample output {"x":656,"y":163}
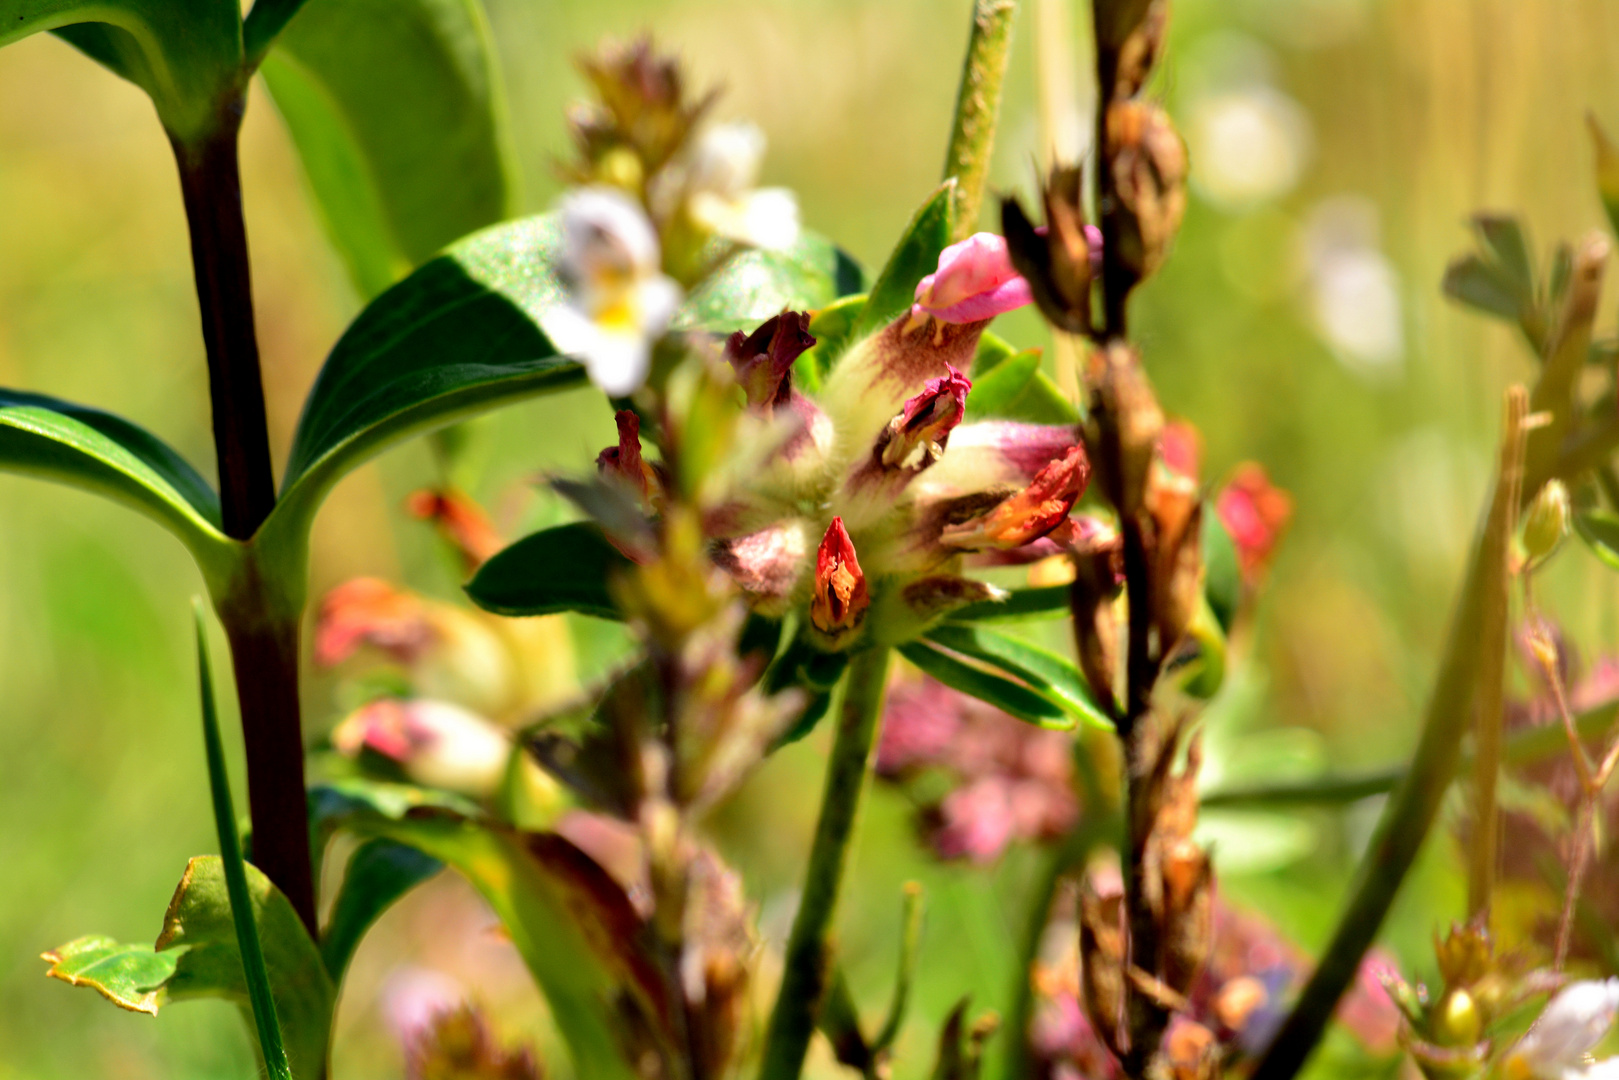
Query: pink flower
{"x":975,"y":282}
{"x":1255,"y":512}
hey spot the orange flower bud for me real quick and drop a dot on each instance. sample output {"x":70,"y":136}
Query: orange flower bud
{"x":1031,"y":513}
{"x":841,"y":597}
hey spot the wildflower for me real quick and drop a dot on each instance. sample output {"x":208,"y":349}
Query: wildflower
{"x":1559,"y":1045}
{"x":717,"y":184}
{"x":460,"y":521}
{"x":1255,"y":512}
{"x":975,"y":281}
{"x":436,"y":744}
{"x":619,"y":301}
{"x":625,"y":461}
{"x":1031,"y":513}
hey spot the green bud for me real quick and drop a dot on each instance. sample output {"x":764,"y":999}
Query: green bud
{"x":1546,"y":523}
{"x":1456,"y":1020}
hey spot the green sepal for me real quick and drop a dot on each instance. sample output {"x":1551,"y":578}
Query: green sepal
{"x":562,"y":569}
{"x":1006,"y":695}
{"x":1599,"y":529}
{"x":1052,"y":675}
{"x":914,"y":257}
{"x":993,"y":350}
{"x":1222,"y":572}
{"x":396,"y":109}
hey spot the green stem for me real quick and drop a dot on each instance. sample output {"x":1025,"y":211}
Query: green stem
{"x":978,"y":101}
{"x":804,"y":978}
{"x":1411,"y":812}
{"x":256,"y":974}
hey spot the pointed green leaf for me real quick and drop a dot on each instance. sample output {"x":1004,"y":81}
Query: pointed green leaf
{"x":186,"y":54}
{"x":97,"y":451}
{"x":831,"y":328}
{"x":396,"y":109}
{"x":1045,"y":671}
{"x":1044,"y":602}
{"x":379,"y":873}
{"x":132,"y":977}
{"x":1607,"y":170}
{"x":754,"y":285}
{"x":1502,"y":239}
{"x":196,"y":957}
{"x":992,"y":351}
{"x":1016,"y":389}
{"x":1481,"y":285}
{"x":1222,"y":574}
{"x":561,"y":569}
{"x":1008,"y":696}
{"x":1600,"y":531}
{"x":914,"y":257}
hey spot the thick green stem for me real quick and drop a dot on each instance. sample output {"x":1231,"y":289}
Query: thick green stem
{"x":805,"y":975}
{"x":1411,"y":812}
{"x":978,"y":102}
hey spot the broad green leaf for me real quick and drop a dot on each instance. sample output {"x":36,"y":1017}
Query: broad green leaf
{"x":1016,"y":389}
{"x":755,"y":284}
{"x":132,"y":977}
{"x":992,"y":351}
{"x":379,"y":872}
{"x":572,"y":924}
{"x":1607,"y":169}
{"x":1054,"y":675}
{"x":1222,"y":571}
{"x":97,"y":451}
{"x":1600,"y":531}
{"x":458,"y":337}
{"x":1008,"y":696}
{"x":186,"y":54}
{"x":914,"y":257}
{"x":396,"y":109}
{"x":1044,"y":602}
{"x":196,"y":957}
{"x":560,"y":569}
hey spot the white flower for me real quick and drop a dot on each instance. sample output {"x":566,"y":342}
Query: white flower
{"x":1559,"y":1045}
{"x":619,"y":300}
{"x":718,"y":180}
{"x":436,"y":744}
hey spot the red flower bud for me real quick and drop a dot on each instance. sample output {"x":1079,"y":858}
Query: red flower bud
{"x":1031,"y":513}
{"x":926,"y":421}
{"x":841,"y":597}
{"x":624,"y":460}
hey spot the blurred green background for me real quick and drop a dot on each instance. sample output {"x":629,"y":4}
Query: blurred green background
{"x":1337,"y":147}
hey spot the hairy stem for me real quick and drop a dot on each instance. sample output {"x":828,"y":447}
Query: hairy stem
{"x":978,"y":103}
{"x":1411,"y":812}
{"x":805,"y":976}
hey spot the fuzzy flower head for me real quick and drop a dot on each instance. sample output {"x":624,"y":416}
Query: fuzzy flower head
{"x":619,"y":301}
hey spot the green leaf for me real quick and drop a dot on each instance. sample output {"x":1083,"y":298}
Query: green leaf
{"x":1485,"y":287}
{"x":561,"y":569}
{"x":1008,"y":696}
{"x":1222,"y":571}
{"x":186,"y":54}
{"x":1045,"y":602}
{"x":831,"y":328}
{"x":396,"y":109}
{"x":1045,"y":671}
{"x":1607,"y":169}
{"x":992,"y":352}
{"x":572,"y":924}
{"x":1016,"y":389}
{"x":196,"y":956}
{"x":458,"y":337}
{"x":132,"y":977}
{"x":914,"y":257}
{"x":755,"y":284}
{"x":1600,"y":531}
{"x":250,"y":951}
{"x":1502,"y":238}
{"x":379,"y":872}
{"x":97,"y":451}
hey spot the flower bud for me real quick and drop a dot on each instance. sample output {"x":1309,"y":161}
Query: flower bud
{"x":436,"y":744}
{"x":840,"y":601}
{"x":1148,"y":161}
{"x":1129,"y":422}
{"x":1031,"y":513}
{"x":1061,"y":260}
{"x":764,"y":359}
{"x":460,"y":521}
{"x":1546,"y":523}
{"x":624,"y":461}
{"x":975,"y":282}
{"x":1456,"y":1020}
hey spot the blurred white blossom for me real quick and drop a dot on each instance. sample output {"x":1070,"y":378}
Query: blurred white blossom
{"x":1248,"y":145}
{"x":716,"y":178}
{"x":1354,"y":289}
{"x":619,"y":299}
{"x":1559,"y":1045}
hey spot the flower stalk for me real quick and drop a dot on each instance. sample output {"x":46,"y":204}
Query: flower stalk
{"x":978,"y":103}
{"x":807,"y":965}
